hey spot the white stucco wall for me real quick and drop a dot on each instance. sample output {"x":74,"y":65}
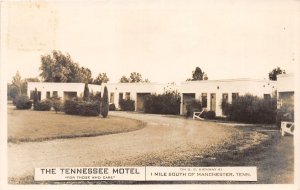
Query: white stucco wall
{"x":240,"y":86}
{"x":134,"y":88}
{"x":44,"y":87}
{"x":285,"y":83}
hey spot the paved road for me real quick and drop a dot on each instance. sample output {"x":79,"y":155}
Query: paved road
{"x":162,"y":141}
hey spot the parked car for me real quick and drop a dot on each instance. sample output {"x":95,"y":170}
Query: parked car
{"x":287,"y":127}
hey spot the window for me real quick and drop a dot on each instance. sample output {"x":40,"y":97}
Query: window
{"x":267,"y":96}
{"x":225,"y":97}
{"x":55,"y":94}
{"x":235,"y":96}
{"x":112,"y":98}
{"x":204,"y":100}
{"x":127,"y":96}
{"x":47,"y":94}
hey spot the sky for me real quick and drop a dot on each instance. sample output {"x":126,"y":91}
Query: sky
{"x":163,"y":40}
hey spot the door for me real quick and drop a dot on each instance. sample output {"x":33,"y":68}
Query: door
{"x":213,"y":102}
{"x":140,"y":98}
{"x":187,"y":99}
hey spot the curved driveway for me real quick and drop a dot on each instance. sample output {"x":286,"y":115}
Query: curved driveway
{"x":163,"y":141}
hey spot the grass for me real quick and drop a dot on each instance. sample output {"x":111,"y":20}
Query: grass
{"x":32,"y":126}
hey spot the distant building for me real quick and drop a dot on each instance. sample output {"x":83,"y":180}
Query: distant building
{"x":211,"y":93}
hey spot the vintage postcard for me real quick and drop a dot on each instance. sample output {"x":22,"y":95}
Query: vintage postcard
{"x":142,"y":94}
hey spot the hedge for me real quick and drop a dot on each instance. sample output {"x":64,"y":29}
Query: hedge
{"x":44,"y":105}
{"x":22,"y":102}
{"x":167,"y":103}
{"x":112,"y":107}
{"x":127,"y":105}
{"x":84,"y":108}
{"x":251,"y":109}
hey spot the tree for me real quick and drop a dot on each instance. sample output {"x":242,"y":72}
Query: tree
{"x":17,"y":82}
{"x":197,"y":74}
{"x":134,"y":77}
{"x":61,"y":68}
{"x":86,"y":75}
{"x":124,"y":79}
{"x":24,"y":84}
{"x":101,"y":78}
{"x":277,"y":71}
{"x":104,"y":103}
{"x":86,"y":92}
{"x":35,"y":97}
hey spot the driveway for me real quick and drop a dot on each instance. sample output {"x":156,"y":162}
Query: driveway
{"x":162,"y":142}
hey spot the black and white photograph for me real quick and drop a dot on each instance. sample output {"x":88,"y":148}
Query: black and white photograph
{"x":138,"y":93}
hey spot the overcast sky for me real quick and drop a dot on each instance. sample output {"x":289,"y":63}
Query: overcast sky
{"x":163,"y":40}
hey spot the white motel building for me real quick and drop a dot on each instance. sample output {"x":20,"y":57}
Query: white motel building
{"x":209,"y":92}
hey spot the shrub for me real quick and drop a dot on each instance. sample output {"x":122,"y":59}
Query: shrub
{"x":251,"y":109}
{"x":44,"y":105}
{"x":193,"y":106}
{"x":209,"y":115}
{"x":167,"y":103}
{"x":112,"y":107}
{"x":104,"y":103}
{"x":285,"y":113}
{"x":89,"y":108}
{"x":96,"y":97}
{"x":84,"y":108}
{"x":57,"y":104}
{"x":35,"y":97}
{"x":86,"y":93}
{"x":72,"y":107}
{"x":22,"y":102}
{"x":127,"y":105}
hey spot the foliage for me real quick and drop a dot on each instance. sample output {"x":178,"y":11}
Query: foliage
{"x":167,"y":103}
{"x":104,"y":103}
{"x":134,"y":77}
{"x":44,"y":105}
{"x":57,"y":104}
{"x":273,"y":74}
{"x":193,"y":106}
{"x":285,"y":113}
{"x":86,"y":92}
{"x":96,"y":97}
{"x":101,"y":78}
{"x":198,"y":74}
{"x":112,"y":107}
{"x":35,"y":97}
{"x":208,"y":115}
{"x":84,"y":108}
{"x":61,"y":68}
{"x":127,"y":105}
{"x":251,"y":109}
{"x":89,"y":108}
{"x":12,"y":92}
{"x":23,"y":102}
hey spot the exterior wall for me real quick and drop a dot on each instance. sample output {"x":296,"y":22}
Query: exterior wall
{"x":240,"y":86}
{"x":134,"y":89}
{"x":285,"y":90}
{"x":44,"y":87}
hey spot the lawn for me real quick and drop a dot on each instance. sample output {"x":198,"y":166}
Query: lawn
{"x":29,"y":125}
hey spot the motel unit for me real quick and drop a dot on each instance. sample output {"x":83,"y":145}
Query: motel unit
{"x":211,"y":93}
